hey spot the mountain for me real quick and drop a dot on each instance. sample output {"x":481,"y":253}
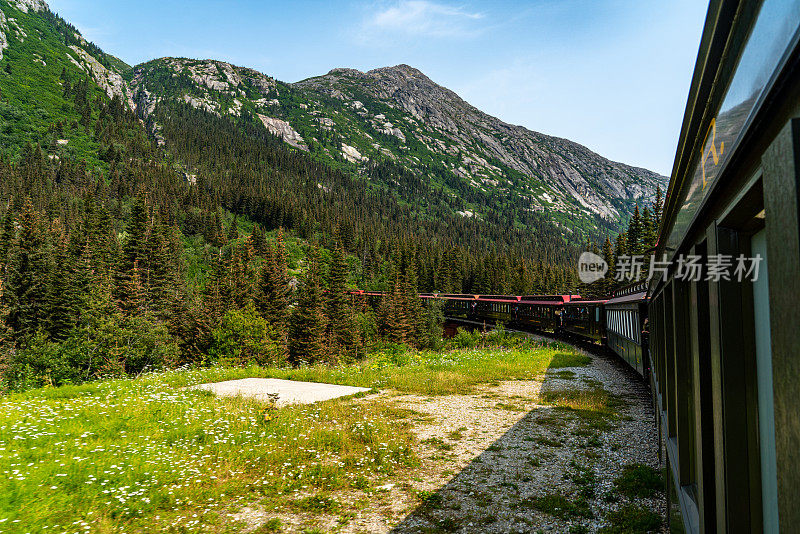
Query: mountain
{"x":349,"y":119}
{"x":551,"y":173}
{"x":393,"y":130}
{"x":40,"y":53}
{"x":156,"y":204}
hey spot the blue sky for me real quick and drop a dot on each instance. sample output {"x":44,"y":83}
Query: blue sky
{"x":610,"y":74}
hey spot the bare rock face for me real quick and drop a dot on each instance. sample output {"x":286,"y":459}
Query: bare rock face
{"x":573,"y":170}
{"x":283,"y":130}
{"x":3,"y":31}
{"x":33,"y":5}
{"x":108,"y":80}
{"x":351,"y":153}
{"x":399,"y":114}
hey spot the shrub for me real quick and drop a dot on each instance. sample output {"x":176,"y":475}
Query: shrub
{"x":499,"y":335}
{"x":245,"y":338}
{"x":367,"y":327}
{"x":111,"y":346}
{"x":432,"y":331}
{"x":39,"y":363}
{"x":465,"y":339}
{"x":393,"y":355}
{"x":125,"y":345}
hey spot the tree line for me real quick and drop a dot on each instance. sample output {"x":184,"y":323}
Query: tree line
{"x":116,"y":268}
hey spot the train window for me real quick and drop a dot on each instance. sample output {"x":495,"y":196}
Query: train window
{"x":766,"y":414}
{"x":668,"y":376}
{"x":702,"y":376}
{"x":684,"y":385}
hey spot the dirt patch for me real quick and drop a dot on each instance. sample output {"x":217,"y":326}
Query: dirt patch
{"x":519,"y":456}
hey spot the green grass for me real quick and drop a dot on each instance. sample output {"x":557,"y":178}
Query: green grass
{"x":639,"y":480}
{"x":439,"y":443}
{"x":561,"y":507}
{"x":147,"y":455}
{"x":272,"y":525}
{"x":422,"y":372}
{"x":631,"y":519}
{"x":141,"y":455}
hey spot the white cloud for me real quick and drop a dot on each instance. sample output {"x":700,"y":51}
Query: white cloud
{"x":414,"y":18}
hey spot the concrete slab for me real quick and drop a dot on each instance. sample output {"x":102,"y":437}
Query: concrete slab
{"x":288,"y":391}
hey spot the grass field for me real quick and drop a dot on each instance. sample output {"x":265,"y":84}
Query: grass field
{"x":146,"y":454}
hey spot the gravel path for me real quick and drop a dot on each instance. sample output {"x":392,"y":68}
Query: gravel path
{"x":489,"y":457}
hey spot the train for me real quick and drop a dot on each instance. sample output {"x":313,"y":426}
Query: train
{"x":725,"y":349}
{"x":616,"y":322}
{"x":721,"y":354}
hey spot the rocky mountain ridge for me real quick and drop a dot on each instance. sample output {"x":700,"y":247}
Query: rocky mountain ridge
{"x":353,"y":120}
{"x":438,"y":109}
{"x":399,"y":114}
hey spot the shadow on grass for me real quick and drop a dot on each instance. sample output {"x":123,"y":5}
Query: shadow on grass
{"x":537,"y":476}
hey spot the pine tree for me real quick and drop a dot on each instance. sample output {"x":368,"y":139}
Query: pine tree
{"x":29,"y":269}
{"x":127,"y":290}
{"x":6,"y":236}
{"x":273,"y":294}
{"x":658,"y":206}
{"x":411,"y":300}
{"x":634,"y":238}
{"x":620,"y":249}
{"x":608,"y":256}
{"x":62,"y":306}
{"x":307,"y":325}
{"x":342,"y":333}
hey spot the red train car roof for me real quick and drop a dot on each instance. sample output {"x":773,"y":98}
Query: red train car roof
{"x":580,"y":302}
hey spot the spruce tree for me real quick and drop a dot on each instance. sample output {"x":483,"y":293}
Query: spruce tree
{"x":6,"y":236}
{"x":658,"y":206}
{"x":634,"y":237}
{"x":29,"y":270}
{"x":127,"y":290}
{"x":342,"y":334}
{"x":62,"y":306}
{"x":608,"y":256}
{"x":307,"y":325}
{"x":273,"y":294}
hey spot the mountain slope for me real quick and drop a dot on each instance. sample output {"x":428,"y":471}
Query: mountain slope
{"x":393,"y":128}
{"x":217,"y":127}
{"x":446,"y":124}
{"x":44,"y":96}
{"x":397,"y":115}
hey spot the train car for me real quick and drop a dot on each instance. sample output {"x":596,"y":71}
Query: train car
{"x":625,"y":316}
{"x":725,"y":348}
{"x":496,"y":308}
{"x":584,"y":319}
{"x":458,"y":306}
{"x":540,"y":312}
